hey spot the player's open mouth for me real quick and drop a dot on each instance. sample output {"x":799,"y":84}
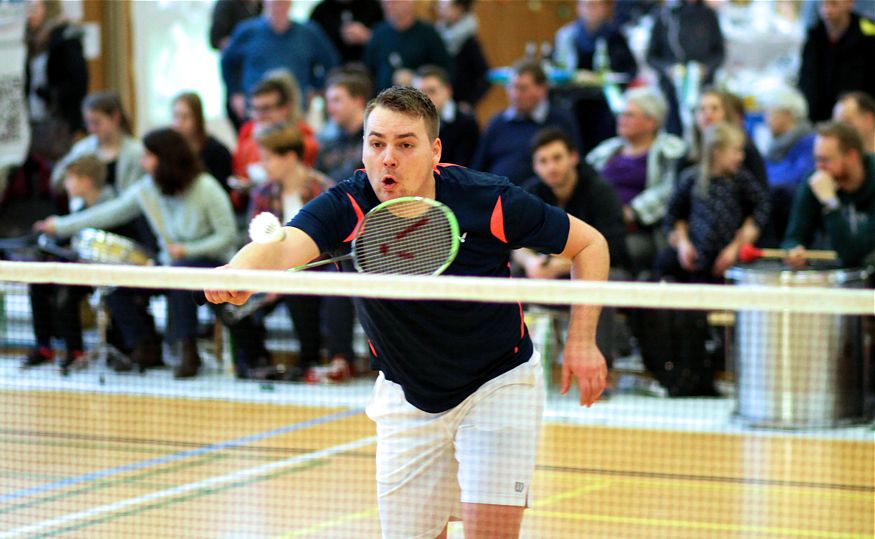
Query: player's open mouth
{"x":388,"y":182}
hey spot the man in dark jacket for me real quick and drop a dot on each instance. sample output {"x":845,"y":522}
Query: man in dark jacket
{"x":459,"y":131}
{"x":836,"y":57}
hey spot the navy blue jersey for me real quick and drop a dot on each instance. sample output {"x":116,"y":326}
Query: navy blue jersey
{"x":440,"y":352}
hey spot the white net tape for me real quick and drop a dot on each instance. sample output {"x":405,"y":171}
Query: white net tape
{"x":550,"y":292}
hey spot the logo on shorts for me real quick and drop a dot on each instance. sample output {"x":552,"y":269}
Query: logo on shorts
{"x":519,"y":486}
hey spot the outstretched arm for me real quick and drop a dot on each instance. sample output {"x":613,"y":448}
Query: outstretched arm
{"x":295,"y":249}
{"x":588,"y":252}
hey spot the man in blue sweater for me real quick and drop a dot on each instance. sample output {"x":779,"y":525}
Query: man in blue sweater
{"x":504,"y":145}
{"x":274,"y":41}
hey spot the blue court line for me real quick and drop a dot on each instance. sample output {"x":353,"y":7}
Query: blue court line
{"x":175,"y":456}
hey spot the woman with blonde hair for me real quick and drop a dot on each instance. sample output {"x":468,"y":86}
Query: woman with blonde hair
{"x":717,"y":207}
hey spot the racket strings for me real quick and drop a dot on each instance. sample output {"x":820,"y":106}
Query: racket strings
{"x":407,"y":238}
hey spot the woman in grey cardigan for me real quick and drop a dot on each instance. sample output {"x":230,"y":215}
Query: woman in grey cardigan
{"x":640,"y":163}
{"x":191,"y":216}
{"x":110,"y":139}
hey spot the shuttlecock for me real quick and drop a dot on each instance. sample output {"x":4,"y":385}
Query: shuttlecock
{"x":266,"y":228}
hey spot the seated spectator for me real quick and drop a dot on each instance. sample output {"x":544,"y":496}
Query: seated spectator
{"x":55,"y":308}
{"x":191,"y":215}
{"x":504,"y":143}
{"x":276,"y":99}
{"x":838,"y":200}
{"x":346,"y":95}
{"x":789,"y":159}
{"x":290,"y":184}
{"x":188,"y":120}
{"x":593,"y":42}
{"x":275,"y":42}
{"x":110,"y":139}
{"x":457,"y":26}
{"x":858,"y":109}
{"x":348,"y":24}
{"x":719,"y":106}
{"x":717,"y":207}
{"x":640,"y":163}
{"x":459,"y":132}
{"x":402,"y":43}
{"x":563,"y":180}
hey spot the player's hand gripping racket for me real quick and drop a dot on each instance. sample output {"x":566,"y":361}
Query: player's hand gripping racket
{"x":404,"y":236}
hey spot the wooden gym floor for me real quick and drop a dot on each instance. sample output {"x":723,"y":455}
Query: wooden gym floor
{"x":124,"y":465}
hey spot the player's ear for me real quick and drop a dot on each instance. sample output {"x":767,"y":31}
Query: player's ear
{"x":436,"y":148}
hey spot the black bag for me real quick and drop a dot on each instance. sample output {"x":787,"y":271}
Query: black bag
{"x":673,"y":348}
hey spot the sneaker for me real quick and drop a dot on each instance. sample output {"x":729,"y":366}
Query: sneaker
{"x":38,"y":357}
{"x":339,"y":371}
{"x":315,"y":375}
{"x":74,"y":360}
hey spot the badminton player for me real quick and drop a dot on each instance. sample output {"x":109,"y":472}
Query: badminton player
{"x":458,"y":402}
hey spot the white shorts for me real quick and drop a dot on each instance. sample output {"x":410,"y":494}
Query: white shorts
{"x":481,"y":451}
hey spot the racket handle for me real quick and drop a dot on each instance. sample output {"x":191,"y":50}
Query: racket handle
{"x":199,"y":297}
{"x":809,"y":255}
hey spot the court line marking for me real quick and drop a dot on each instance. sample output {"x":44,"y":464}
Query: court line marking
{"x":693,"y":524}
{"x":211,"y":448}
{"x":188,"y":487}
{"x":349,"y":517}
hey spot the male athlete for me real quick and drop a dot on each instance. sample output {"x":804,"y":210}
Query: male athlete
{"x":459,"y":399}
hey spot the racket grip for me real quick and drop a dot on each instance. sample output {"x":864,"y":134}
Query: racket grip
{"x":199,"y":297}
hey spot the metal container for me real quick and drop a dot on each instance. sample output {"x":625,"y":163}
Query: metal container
{"x":799,"y":370}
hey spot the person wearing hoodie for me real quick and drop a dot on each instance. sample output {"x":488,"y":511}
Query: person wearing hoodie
{"x":640,"y":163}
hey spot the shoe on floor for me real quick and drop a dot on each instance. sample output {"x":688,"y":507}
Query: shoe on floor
{"x":73,"y":360}
{"x":37,"y":357}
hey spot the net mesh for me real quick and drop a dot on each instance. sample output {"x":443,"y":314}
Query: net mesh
{"x":734,"y":411}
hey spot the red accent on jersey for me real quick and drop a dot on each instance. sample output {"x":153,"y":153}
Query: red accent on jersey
{"x":371,"y":346}
{"x":496,"y":223}
{"x":359,"y":216}
{"x":436,"y":169}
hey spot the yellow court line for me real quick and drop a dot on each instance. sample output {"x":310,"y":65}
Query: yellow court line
{"x":692,"y":524}
{"x":541,"y":502}
{"x":814,"y":492}
{"x":367,"y":513}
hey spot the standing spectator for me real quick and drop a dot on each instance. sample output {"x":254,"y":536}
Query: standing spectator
{"x":57,"y":79}
{"x":188,"y":120}
{"x":340,"y":140}
{"x":274,"y":41}
{"x":459,"y":132}
{"x":683,"y":33}
{"x":457,"y":26}
{"x":191,"y":214}
{"x":789,"y":159}
{"x":839,"y":199}
{"x":594,"y":43}
{"x":227,"y":14}
{"x":402,"y":43}
{"x":348,"y":24}
{"x":708,"y":214}
{"x":858,"y":109}
{"x":836,"y":57}
{"x":641,"y":164}
{"x":503,"y":148}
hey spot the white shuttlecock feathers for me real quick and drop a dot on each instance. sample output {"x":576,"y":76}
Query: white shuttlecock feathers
{"x":266,"y":228}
